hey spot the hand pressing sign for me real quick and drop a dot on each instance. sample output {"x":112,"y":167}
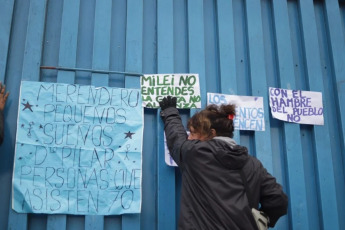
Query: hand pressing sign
{"x":167,"y":102}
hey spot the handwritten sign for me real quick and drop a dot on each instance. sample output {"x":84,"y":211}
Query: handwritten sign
{"x":303,"y":107}
{"x":78,"y":150}
{"x":249,"y":110}
{"x":185,"y":87}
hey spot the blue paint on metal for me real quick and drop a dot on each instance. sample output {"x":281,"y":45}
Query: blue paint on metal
{"x":58,"y":221}
{"x":100,"y":60}
{"x":14,"y":68}
{"x":52,"y":35}
{"x":226,"y":50}
{"x":321,"y":138}
{"x":6,"y":12}
{"x":30,"y":71}
{"x":196,"y":45}
{"x":276,"y":126}
{"x":112,"y":223}
{"x":118,"y":41}
{"x":134,"y":47}
{"x":69,"y":33}
{"x":312,"y":205}
{"x":242,"y":63}
{"x":241,"y":49}
{"x":336,"y":45}
{"x":67,"y":56}
{"x":331,"y":99}
{"x":337,"y":52}
{"x":263,"y":148}
{"x":237,"y":47}
{"x":34,"y":40}
{"x":85,"y":40}
{"x":149,"y":214}
{"x":291,"y":132}
{"x":38,"y":222}
{"x":181,"y":65}
{"x":211,"y":47}
{"x":181,"y":62}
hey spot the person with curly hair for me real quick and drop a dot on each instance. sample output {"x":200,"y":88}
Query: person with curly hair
{"x":213,"y":194}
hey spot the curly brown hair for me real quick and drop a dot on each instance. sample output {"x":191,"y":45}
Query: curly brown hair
{"x":214,"y":117}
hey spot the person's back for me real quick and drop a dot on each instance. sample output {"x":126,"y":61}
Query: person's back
{"x":213,"y":194}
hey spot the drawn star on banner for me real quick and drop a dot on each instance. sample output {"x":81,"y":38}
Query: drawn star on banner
{"x":129,"y":134}
{"x":27,"y":106}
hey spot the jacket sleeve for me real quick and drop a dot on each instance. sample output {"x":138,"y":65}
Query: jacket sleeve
{"x":273,"y":200}
{"x":1,"y":127}
{"x":175,"y":133}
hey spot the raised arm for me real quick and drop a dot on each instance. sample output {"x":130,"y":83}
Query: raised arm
{"x":174,"y":131}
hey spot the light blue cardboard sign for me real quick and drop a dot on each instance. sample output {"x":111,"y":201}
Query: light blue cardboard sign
{"x":78,"y":150}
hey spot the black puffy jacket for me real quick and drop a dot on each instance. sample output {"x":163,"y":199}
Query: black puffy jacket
{"x":213,"y":194}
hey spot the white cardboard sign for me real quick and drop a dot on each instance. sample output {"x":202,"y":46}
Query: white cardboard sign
{"x":303,"y":107}
{"x":185,"y":87}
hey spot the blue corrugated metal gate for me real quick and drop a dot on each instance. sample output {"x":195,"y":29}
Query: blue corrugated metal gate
{"x":237,"y":47}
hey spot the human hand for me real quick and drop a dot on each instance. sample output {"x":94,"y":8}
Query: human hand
{"x":3,"y":96}
{"x":167,"y":102}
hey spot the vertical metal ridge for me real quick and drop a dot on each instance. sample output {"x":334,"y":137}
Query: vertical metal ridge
{"x":67,"y":56}
{"x":31,"y":71}
{"x":335,"y":18}
{"x":196,"y":45}
{"x":226,"y":51}
{"x":258,"y":78}
{"x":166,"y":214}
{"x":292,"y":135}
{"x":323,"y":157}
{"x":134,"y":63}
{"x":100,"y":60}
{"x":6,"y":14}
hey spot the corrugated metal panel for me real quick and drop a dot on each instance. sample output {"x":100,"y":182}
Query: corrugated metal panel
{"x":237,"y":47}
{"x":165,"y":64}
{"x":30,"y":71}
{"x":6,"y":15}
